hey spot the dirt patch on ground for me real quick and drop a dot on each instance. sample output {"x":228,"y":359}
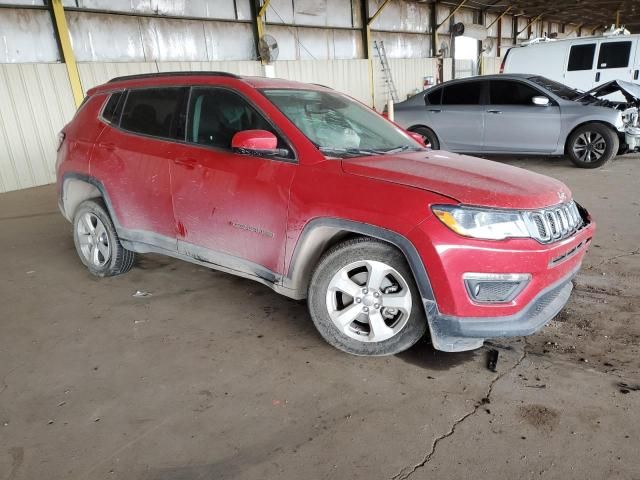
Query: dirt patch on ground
{"x":543,"y":418}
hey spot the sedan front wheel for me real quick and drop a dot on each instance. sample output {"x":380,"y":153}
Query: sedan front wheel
{"x":592,"y":145}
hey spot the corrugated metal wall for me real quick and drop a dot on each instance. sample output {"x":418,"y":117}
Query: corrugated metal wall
{"x":35,"y":103}
{"x":408,"y":77}
{"x":96,"y":73}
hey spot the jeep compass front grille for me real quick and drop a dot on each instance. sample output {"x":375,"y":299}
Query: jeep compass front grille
{"x":555,"y":223}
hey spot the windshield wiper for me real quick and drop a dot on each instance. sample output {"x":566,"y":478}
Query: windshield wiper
{"x":401,"y":148}
{"x":349,"y":151}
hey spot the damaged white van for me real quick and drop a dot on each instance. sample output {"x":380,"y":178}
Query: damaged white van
{"x":582,"y":63}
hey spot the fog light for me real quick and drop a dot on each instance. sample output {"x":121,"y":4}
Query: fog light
{"x":495,"y":287}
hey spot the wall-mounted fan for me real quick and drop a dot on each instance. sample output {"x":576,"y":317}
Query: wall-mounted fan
{"x":268,"y":49}
{"x":444,"y":49}
{"x":487,"y":46}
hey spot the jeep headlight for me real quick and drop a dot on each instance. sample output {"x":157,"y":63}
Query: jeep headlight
{"x":482,"y":223}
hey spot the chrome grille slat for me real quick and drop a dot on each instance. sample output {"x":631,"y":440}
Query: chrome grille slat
{"x":555,"y":223}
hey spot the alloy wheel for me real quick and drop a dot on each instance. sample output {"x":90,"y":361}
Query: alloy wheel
{"x":589,"y":147}
{"x":369,"y":301}
{"x":93,"y":239}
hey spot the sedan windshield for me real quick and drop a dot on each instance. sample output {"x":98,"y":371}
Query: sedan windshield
{"x":339,"y":126}
{"x":561,"y":90}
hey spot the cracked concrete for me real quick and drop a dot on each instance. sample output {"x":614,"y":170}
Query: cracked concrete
{"x":218,"y":377}
{"x":403,"y":475}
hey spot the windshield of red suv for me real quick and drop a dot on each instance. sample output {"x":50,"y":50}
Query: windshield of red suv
{"x":339,"y":126}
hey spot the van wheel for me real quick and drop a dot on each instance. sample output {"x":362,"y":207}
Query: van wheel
{"x":97,"y":242}
{"x":592,"y":145}
{"x":428,"y":135}
{"x":363,"y":300}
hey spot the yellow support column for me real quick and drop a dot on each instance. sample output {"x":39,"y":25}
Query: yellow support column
{"x":67,"y":51}
{"x":260,"y":23}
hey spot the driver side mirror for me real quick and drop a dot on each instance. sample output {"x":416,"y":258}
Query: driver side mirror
{"x":540,"y":100}
{"x":257,"y":142}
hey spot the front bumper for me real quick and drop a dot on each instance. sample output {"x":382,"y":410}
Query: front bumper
{"x":459,"y":323}
{"x":456,"y":334}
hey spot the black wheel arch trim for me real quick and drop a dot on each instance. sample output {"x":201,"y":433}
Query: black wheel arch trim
{"x":306,"y":254}
{"x":83,"y":177}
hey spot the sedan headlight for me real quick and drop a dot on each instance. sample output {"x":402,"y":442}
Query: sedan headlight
{"x":482,"y":223}
{"x":620,"y":122}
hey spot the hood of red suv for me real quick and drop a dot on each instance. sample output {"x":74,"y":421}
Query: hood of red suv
{"x":469,"y":180}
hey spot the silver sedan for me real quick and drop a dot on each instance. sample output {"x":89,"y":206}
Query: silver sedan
{"x":523,"y":114}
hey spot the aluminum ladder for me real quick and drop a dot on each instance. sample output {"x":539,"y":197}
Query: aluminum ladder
{"x":386,"y":70}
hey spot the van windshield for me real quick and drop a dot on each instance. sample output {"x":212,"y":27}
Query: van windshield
{"x":557,"y":88}
{"x":338,"y":126}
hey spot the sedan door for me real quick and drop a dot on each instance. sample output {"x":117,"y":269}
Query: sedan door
{"x":458,"y":120}
{"x":513,"y":123}
{"x":231,"y":208}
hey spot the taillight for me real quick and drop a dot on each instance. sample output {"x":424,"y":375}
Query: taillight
{"x":61,"y":136}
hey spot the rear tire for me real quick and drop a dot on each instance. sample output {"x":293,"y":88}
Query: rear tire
{"x":363,"y":299}
{"x":97,"y":242}
{"x":592,"y":145}
{"x":428,"y":135}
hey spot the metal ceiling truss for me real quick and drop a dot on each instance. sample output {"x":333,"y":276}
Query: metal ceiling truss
{"x":590,"y":14}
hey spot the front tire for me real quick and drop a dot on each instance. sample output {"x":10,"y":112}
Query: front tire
{"x":428,"y":135}
{"x":97,"y":242}
{"x":363,"y":299}
{"x":592,"y":145}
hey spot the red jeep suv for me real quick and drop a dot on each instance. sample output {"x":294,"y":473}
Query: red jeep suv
{"x":315,"y":195}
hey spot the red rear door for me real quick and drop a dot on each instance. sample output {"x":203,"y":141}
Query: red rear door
{"x":132,"y":159}
{"x":230,"y":209}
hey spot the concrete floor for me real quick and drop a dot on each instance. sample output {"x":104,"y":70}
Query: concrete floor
{"x":218,"y":377}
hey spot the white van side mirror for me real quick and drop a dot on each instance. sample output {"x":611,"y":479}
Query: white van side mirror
{"x":540,"y":101}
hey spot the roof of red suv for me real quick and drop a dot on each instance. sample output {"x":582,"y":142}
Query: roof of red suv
{"x":167,"y":77}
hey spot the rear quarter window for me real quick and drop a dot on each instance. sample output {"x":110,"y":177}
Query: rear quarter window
{"x":113,"y":108}
{"x":434,"y":97}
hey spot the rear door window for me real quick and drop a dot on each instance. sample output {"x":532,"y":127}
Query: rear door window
{"x":159,"y":112}
{"x":465,"y":93}
{"x":614,"y":54}
{"x":508,"y":92}
{"x":581,"y":57}
{"x":113,"y":108}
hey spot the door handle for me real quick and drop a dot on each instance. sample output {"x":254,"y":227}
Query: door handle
{"x":598,"y":77}
{"x":435,"y":110}
{"x":635,"y":74}
{"x":495,"y":112}
{"x":107,"y":145}
{"x":187,"y":162}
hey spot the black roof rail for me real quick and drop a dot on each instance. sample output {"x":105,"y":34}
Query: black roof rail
{"x":173,"y":74}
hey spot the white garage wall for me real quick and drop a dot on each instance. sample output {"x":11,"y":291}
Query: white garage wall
{"x":35,"y":103}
